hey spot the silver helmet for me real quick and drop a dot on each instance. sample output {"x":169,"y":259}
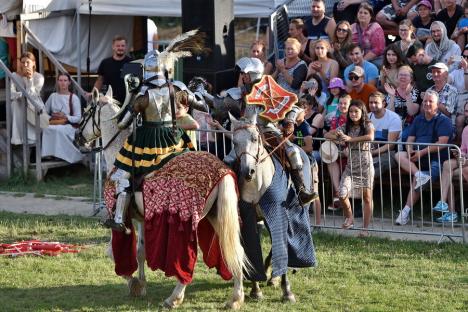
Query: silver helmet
{"x":252,"y":66}
{"x":153,"y":69}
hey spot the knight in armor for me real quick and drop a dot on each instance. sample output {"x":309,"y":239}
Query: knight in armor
{"x":251,"y":73}
{"x":155,"y":139}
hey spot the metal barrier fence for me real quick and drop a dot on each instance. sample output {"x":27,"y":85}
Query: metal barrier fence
{"x":390,"y":191}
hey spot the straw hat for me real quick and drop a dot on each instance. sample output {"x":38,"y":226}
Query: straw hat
{"x":328,"y":152}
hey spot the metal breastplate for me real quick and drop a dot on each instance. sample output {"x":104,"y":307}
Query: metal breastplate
{"x":159,"y":106}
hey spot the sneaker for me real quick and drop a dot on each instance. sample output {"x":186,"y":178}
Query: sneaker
{"x":448,"y":217}
{"x":421,"y":180}
{"x":403,"y":217}
{"x":441,"y":206}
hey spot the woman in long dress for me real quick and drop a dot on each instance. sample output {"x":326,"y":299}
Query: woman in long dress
{"x":32,"y":81}
{"x":65,"y":110}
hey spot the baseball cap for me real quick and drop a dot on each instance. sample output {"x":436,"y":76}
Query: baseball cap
{"x":439,"y":65}
{"x":358,"y":71}
{"x":426,"y":3}
{"x":336,"y":83}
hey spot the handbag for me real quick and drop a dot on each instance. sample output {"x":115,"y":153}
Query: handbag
{"x":31,"y":116}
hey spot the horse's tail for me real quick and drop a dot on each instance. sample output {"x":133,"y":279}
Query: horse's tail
{"x":229,"y":227}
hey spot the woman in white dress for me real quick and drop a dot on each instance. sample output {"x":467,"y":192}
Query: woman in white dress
{"x":32,"y":81}
{"x":65,"y":110}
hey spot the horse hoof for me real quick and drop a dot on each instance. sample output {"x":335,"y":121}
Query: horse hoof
{"x":234,"y":305}
{"x":256,"y":295}
{"x":136,"y":287}
{"x":274,"y":281}
{"x":173,"y":304}
{"x":289,"y":298}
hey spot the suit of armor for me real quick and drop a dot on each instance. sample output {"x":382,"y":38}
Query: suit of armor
{"x":270,"y":129}
{"x":153,"y":143}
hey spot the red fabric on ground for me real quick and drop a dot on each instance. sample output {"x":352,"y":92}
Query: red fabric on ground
{"x":124,"y":251}
{"x":171,"y":246}
{"x":209,"y":244}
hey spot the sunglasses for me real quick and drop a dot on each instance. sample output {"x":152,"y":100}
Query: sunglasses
{"x":465,"y":56}
{"x":341,"y":30}
{"x":353,"y":77}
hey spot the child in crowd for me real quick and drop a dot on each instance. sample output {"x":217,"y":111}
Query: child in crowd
{"x":335,"y":168}
{"x":183,"y":119}
{"x":359,"y":171}
{"x":336,"y":89}
{"x":423,"y":21}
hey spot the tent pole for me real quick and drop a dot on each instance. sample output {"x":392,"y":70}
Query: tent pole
{"x":78,"y":53}
{"x":257,"y":34}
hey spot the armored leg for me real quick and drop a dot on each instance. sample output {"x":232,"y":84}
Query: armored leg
{"x":230,"y":159}
{"x":122,"y":183}
{"x":297,"y":176}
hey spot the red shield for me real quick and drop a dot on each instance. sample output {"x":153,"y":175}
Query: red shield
{"x":276,"y":101}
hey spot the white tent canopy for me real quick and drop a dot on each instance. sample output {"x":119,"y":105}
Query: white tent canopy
{"x":242,"y":8}
{"x":109,"y":17}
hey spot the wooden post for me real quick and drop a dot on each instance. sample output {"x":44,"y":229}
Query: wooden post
{"x":24,"y":103}
{"x":8,"y":125}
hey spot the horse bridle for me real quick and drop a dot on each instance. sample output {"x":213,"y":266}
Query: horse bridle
{"x":259,"y":145}
{"x":91,"y":114}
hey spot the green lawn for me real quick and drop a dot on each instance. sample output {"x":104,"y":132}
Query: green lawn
{"x":73,"y":180}
{"x":353,"y":275}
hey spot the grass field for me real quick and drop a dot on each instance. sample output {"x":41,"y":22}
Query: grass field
{"x":73,"y":180}
{"x":353,"y":275}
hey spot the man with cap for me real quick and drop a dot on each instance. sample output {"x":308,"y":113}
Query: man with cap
{"x":357,"y":57}
{"x":448,"y":94}
{"x":423,"y":161}
{"x":423,"y":21}
{"x":359,"y":89}
{"x":419,"y":62}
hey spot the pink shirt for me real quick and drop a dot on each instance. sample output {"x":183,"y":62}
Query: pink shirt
{"x":370,"y":39}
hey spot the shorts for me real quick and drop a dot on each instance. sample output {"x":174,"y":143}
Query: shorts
{"x":389,"y":12}
{"x":430,"y":167}
{"x":383,"y":163}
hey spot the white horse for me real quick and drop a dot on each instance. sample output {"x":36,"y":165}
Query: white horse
{"x":256,"y":174}
{"x":223,"y":216}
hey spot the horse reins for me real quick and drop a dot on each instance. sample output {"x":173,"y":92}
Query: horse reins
{"x":92,"y":115}
{"x":260,"y":143}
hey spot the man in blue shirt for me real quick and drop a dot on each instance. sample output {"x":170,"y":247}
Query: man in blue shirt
{"x":357,"y":56}
{"x":429,"y":127}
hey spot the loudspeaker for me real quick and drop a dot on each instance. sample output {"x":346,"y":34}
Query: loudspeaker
{"x":216,"y":19}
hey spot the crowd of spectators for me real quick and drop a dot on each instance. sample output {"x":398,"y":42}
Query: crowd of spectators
{"x":403,"y":64}
{"x":392,"y":71}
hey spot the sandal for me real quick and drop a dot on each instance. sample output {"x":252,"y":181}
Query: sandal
{"x":347,"y":224}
